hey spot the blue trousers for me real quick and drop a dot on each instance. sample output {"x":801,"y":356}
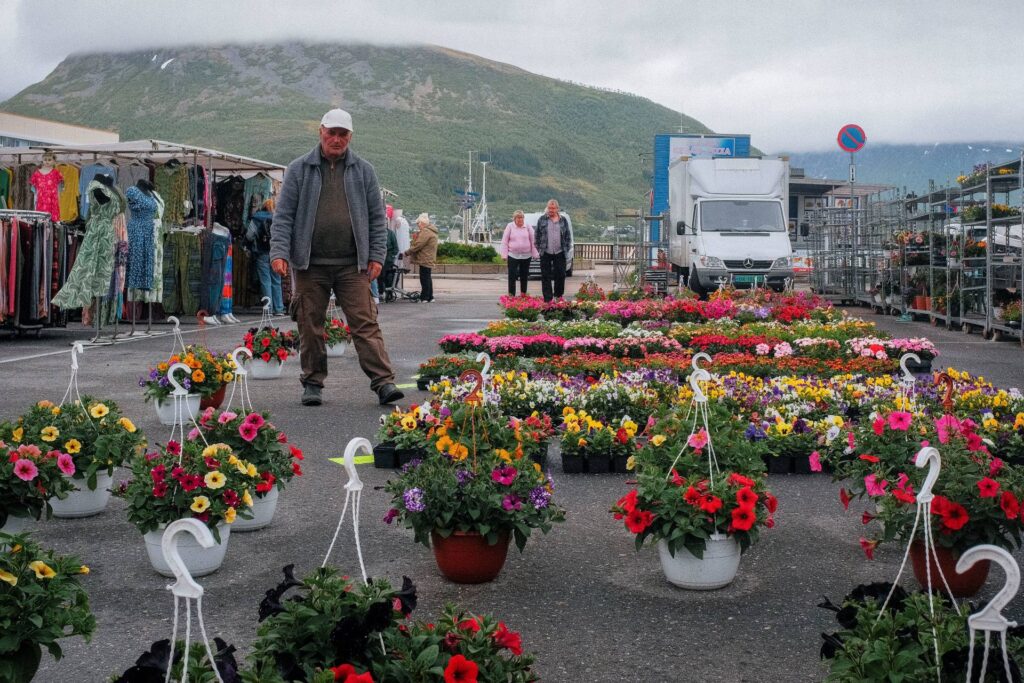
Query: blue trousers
{"x":270,"y":282}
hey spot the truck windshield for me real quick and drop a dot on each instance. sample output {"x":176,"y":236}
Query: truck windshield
{"x":741,"y":216}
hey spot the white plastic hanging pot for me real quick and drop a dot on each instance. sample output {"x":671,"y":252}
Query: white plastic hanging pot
{"x":82,"y":502}
{"x":336,"y":350}
{"x":200,"y":561}
{"x":261,"y":369}
{"x":165,"y":409}
{"x":717,"y":569}
{"x":262,"y":512}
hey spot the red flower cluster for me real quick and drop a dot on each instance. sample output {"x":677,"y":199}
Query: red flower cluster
{"x":954,"y":515}
{"x":346,"y":673}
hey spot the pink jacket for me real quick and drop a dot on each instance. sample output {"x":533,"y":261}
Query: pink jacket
{"x":518,"y":242}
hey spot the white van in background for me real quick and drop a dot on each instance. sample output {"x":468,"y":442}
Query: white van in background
{"x":531,"y":220}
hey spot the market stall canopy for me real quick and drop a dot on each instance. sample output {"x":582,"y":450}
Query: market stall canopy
{"x":158,"y":151}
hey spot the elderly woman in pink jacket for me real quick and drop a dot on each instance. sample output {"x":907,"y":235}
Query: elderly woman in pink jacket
{"x":517,"y":248}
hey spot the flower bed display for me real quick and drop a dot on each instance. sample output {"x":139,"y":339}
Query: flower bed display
{"x":209,"y":373}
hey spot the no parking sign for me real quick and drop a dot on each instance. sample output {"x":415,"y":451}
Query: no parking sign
{"x":851,"y":138}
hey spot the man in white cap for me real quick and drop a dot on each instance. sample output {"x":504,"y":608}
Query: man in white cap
{"x":330,"y":228}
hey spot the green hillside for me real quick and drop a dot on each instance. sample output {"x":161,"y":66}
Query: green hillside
{"x":417,"y":112}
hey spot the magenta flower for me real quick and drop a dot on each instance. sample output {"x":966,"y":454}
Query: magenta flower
{"x":173,"y":447}
{"x":512,"y":502}
{"x":504,"y":475}
{"x":255,"y":419}
{"x":698,"y":440}
{"x":900,"y":421}
{"x":193,"y":434}
{"x":66,"y":464}
{"x":875,"y":487}
{"x":815,"y":461}
{"x":226,"y":416}
{"x":248,"y":431}
{"x":947,"y":426}
{"x":25,"y":470}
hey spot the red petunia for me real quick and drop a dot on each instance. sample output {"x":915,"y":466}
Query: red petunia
{"x":845,"y":498}
{"x":904,"y":496}
{"x":676,"y":479}
{"x":265,"y":342}
{"x":956,"y":516}
{"x":940,"y":505}
{"x":282,"y":355}
{"x":296,"y":453}
{"x":771,"y":502}
{"x":365,"y":677}
{"x":461,"y":670}
{"x":868,"y":547}
{"x":627,"y":504}
{"x":743,"y":519}
{"x":736,"y":479}
{"x":746,"y":497}
{"x":265,"y":356}
{"x":1010,"y":505}
{"x":711,"y":504}
{"x":878,"y":426}
{"x":469,"y":625}
{"x":866,"y":517}
{"x":638,"y":520}
{"x":508,"y":639}
{"x":870,"y":458}
{"x":296,"y":469}
{"x":342,"y":671}
{"x":988,"y":488}
{"x":691,"y":496}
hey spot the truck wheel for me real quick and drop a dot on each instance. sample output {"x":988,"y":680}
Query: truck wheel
{"x":694,"y":284}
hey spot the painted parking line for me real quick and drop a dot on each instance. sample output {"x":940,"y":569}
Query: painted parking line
{"x":406,"y":386}
{"x":359,"y":460}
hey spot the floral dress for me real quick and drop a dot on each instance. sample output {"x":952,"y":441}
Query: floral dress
{"x":90,"y":275}
{"x":140,"y":238}
{"x":47,"y":187}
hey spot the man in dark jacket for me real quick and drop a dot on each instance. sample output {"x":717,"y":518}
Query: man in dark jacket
{"x":553,"y":240}
{"x":330,"y":227}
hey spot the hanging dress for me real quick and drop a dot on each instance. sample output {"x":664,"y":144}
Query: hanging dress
{"x":90,"y":275}
{"x":155,"y":293}
{"x":140,"y":238}
{"x":47,"y":187}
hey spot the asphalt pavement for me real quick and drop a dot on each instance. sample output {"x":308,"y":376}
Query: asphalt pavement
{"x":588,"y":606}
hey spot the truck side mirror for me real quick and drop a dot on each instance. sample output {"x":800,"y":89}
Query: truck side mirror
{"x":680,"y":227}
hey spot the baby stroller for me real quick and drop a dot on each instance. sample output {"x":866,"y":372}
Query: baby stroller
{"x":394,"y":287}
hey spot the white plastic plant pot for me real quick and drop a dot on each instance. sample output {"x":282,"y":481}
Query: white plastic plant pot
{"x":165,"y":409}
{"x":261,"y":369}
{"x":717,"y":569}
{"x":262,"y":512}
{"x":200,"y":561}
{"x":82,"y":502}
{"x":337,"y":350}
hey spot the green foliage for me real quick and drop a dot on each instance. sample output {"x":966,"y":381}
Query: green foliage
{"x":41,"y":601}
{"x":453,"y":252}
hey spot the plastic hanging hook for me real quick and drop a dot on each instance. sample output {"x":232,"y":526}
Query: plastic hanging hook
{"x":355,"y":446}
{"x":990,"y":617}
{"x":696,"y":377}
{"x":178,"y":389}
{"x":947,"y":400}
{"x":266,"y":303}
{"x":928,"y":456}
{"x":486,"y":358}
{"x":184,"y":585}
{"x":697,"y":357}
{"x":239,"y":368}
{"x":475,"y":396}
{"x":76,"y":349}
{"x":908,"y":377}
{"x":177,"y":323}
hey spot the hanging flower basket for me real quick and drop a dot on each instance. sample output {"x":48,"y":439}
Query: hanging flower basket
{"x":263,"y":509}
{"x":200,"y":561}
{"x":337,"y":350}
{"x":165,"y":408}
{"x":466,"y":557}
{"x":82,"y":502}
{"x":261,"y":369}
{"x":962,"y":585}
{"x":716,"y":569}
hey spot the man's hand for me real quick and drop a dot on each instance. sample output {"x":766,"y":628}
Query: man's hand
{"x":373,"y":270}
{"x":279,"y":266}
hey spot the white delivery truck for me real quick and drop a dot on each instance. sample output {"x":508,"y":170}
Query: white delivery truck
{"x":727,"y":222}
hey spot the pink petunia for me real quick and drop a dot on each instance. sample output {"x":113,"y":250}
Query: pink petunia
{"x":875,"y":487}
{"x":193,"y":434}
{"x":698,"y":440}
{"x":815,"y":461}
{"x":25,"y":470}
{"x":248,"y":431}
{"x":900,"y":421}
{"x":29,"y":450}
{"x":226,"y":416}
{"x":255,"y":419}
{"x":947,"y":426}
{"x":504,"y":475}
{"x":66,"y":464}
{"x":173,"y":447}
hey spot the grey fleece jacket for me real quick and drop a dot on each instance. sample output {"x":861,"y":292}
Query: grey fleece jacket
{"x":291,"y":232}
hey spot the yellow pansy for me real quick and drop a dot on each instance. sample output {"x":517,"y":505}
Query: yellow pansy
{"x":630,"y":462}
{"x":200,"y":504}
{"x":99,"y":410}
{"x":1019,"y":422}
{"x":49,"y":433}
{"x":229,"y":515}
{"x":83,"y":569}
{"x":55,"y":410}
{"x":658,"y":439}
{"x":72,"y":446}
{"x":504,"y":455}
{"x":228,"y":377}
{"x":408,"y":423}
{"x":568,"y":410}
{"x":247,"y":499}
{"x":443,"y":443}
{"x":458,"y":452}
{"x":127,"y":425}
{"x":213,"y":450}
{"x":581,"y":443}
{"x":214,"y":480}
{"x":42,"y":570}
{"x":162,"y":367}
{"x":8,"y":577}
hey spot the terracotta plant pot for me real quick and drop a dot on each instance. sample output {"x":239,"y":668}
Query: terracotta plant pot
{"x":465,"y":557}
{"x":962,"y":585}
{"x":213,"y":400}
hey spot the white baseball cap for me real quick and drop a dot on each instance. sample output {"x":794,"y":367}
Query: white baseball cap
{"x":337,"y":118}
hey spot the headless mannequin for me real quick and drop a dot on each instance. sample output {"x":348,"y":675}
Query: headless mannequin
{"x":47,"y":167}
{"x":147,"y":187}
{"x":101,"y":198}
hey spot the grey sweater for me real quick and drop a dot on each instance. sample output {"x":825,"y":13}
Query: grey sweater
{"x":291,"y":233}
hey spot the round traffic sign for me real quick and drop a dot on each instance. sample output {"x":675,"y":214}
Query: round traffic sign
{"x":851,"y":138}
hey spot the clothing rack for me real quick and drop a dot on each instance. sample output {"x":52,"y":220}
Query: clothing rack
{"x":14,"y":322}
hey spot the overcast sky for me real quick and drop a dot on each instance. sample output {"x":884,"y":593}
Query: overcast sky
{"x":789,"y":72}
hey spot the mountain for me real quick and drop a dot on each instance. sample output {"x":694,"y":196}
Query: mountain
{"x":909,"y":166}
{"x":417,"y":112}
